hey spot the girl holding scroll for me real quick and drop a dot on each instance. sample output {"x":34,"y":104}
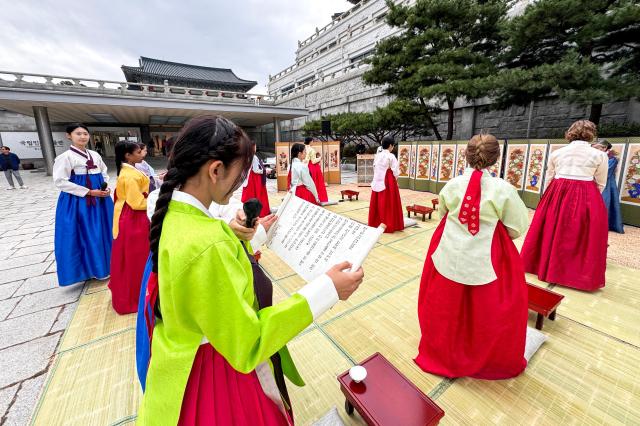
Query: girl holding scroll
{"x":211,"y":343}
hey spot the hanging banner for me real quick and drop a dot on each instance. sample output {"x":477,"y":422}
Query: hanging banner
{"x":26,"y":145}
{"x":447,"y":162}
{"x":535,"y":168}
{"x":424,"y":162}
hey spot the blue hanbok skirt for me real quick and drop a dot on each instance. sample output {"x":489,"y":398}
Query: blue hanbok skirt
{"x":83,"y":234}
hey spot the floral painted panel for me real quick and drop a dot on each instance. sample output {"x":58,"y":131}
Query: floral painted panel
{"x":447,"y":162}
{"x":461,"y":159}
{"x":630,"y":188}
{"x":535,"y":168}
{"x":516,"y":160}
{"x":424,"y":162}
{"x":404,"y":152}
{"x":435,"y":162}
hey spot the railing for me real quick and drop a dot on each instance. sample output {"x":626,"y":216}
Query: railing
{"x":321,"y":78}
{"x":89,"y":85}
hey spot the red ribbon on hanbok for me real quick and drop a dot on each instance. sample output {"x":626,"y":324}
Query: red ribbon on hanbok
{"x":470,"y":209}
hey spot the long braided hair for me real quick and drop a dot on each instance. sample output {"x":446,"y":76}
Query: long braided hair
{"x":202,"y":139}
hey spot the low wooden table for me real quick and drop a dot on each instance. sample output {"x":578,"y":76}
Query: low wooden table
{"x":417,"y":209}
{"x":349,"y":193}
{"x":387,"y":397}
{"x":435,"y":202}
{"x":544,"y":302}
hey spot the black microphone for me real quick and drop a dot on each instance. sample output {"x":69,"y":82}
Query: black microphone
{"x":252,"y":210}
{"x":103,"y":186}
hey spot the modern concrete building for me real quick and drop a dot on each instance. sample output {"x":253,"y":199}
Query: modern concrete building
{"x":326,"y":78}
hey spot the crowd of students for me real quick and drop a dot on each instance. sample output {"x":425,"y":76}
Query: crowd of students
{"x":212,"y":346}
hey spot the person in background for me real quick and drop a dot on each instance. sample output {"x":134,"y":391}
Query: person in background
{"x":567,"y":241}
{"x":84,"y":213}
{"x":301,"y":183}
{"x":130,"y":229}
{"x":312,"y":159}
{"x":10,"y":164}
{"x":611,"y":195}
{"x":255,"y":186}
{"x":385,"y":205}
{"x":472,"y":304}
{"x":146,"y":168}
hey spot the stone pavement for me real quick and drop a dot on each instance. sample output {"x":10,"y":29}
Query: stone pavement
{"x":34,"y":311}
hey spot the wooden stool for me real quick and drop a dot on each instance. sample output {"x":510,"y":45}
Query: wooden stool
{"x":349,"y":193}
{"x":387,"y":397}
{"x":416,"y":209}
{"x":544,"y":302}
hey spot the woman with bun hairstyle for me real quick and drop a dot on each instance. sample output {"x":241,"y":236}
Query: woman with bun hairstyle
{"x":472,"y":303}
{"x":567,"y":241}
{"x":84,"y":213}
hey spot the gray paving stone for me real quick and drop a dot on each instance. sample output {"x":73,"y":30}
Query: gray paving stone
{"x":27,"y":327}
{"x":16,"y":366}
{"x":36,"y":284}
{"x":64,"y":318}
{"x":35,"y":242}
{"x":5,"y":251}
{"x":15,"y":231}
{"x":23,"y":272}
{"x":33,"y":249}
{"x":18,"y":238}
{"x":8,"y":289}
{"x":15,"y":262}
{"x":6,"y":306}
{"x":22,"y":409}
{"x":49,"y":233}
{"x":52,"y":268}
{"x":47,"y":299}
{"x":6,"y":396}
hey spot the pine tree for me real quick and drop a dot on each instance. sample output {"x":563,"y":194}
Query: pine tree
{"x":585,"y":51}
{"x":446,"y":51}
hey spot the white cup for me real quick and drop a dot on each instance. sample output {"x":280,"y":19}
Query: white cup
{"x":357,"y":373}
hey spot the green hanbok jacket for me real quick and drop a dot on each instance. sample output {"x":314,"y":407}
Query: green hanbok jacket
{"x":206,"y":291}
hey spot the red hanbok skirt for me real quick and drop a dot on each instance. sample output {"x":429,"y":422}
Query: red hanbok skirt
{"x":567,"y":241}
{"x":129,"y":255}
{"x":315,"y":170}
{"x":255,"y":189}
{"x":216,"y":394}
{"x":302,"y":191}
{"x":386,"y":207}
{"x":475,"y":331}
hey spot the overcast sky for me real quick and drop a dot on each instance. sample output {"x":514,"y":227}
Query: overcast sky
{"x":92,"y":39}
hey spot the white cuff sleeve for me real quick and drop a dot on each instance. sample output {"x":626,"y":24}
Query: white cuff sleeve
{"x":321,"y":295}
{"x":259,"y":238}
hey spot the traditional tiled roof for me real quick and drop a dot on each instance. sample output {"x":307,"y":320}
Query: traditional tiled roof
{"x":174,"y":70}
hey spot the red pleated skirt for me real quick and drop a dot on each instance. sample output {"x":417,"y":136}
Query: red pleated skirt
{"x":567,"y":241}
{"x":474,"y":331}
{"x":218,"y":395}
{"x":255,"y":189}
{"x":315,"y":170}
{"x":305,"y":194}
{"x":128,"y":258}
{"x":386,"y":207}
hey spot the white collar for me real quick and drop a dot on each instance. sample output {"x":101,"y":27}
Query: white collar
{"x":134,"y":168}
{"x":297,"y":159}
{"x":469,"y":170}
{"x":183,"y":197}
{"x":583,"y":143}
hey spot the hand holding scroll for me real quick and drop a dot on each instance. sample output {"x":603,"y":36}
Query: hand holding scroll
{"x":346,"y":282}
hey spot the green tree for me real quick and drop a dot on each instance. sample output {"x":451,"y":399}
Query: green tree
{"x":584,"y":51}
{"x":447,"y":50}
{"x":400,"y":118}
